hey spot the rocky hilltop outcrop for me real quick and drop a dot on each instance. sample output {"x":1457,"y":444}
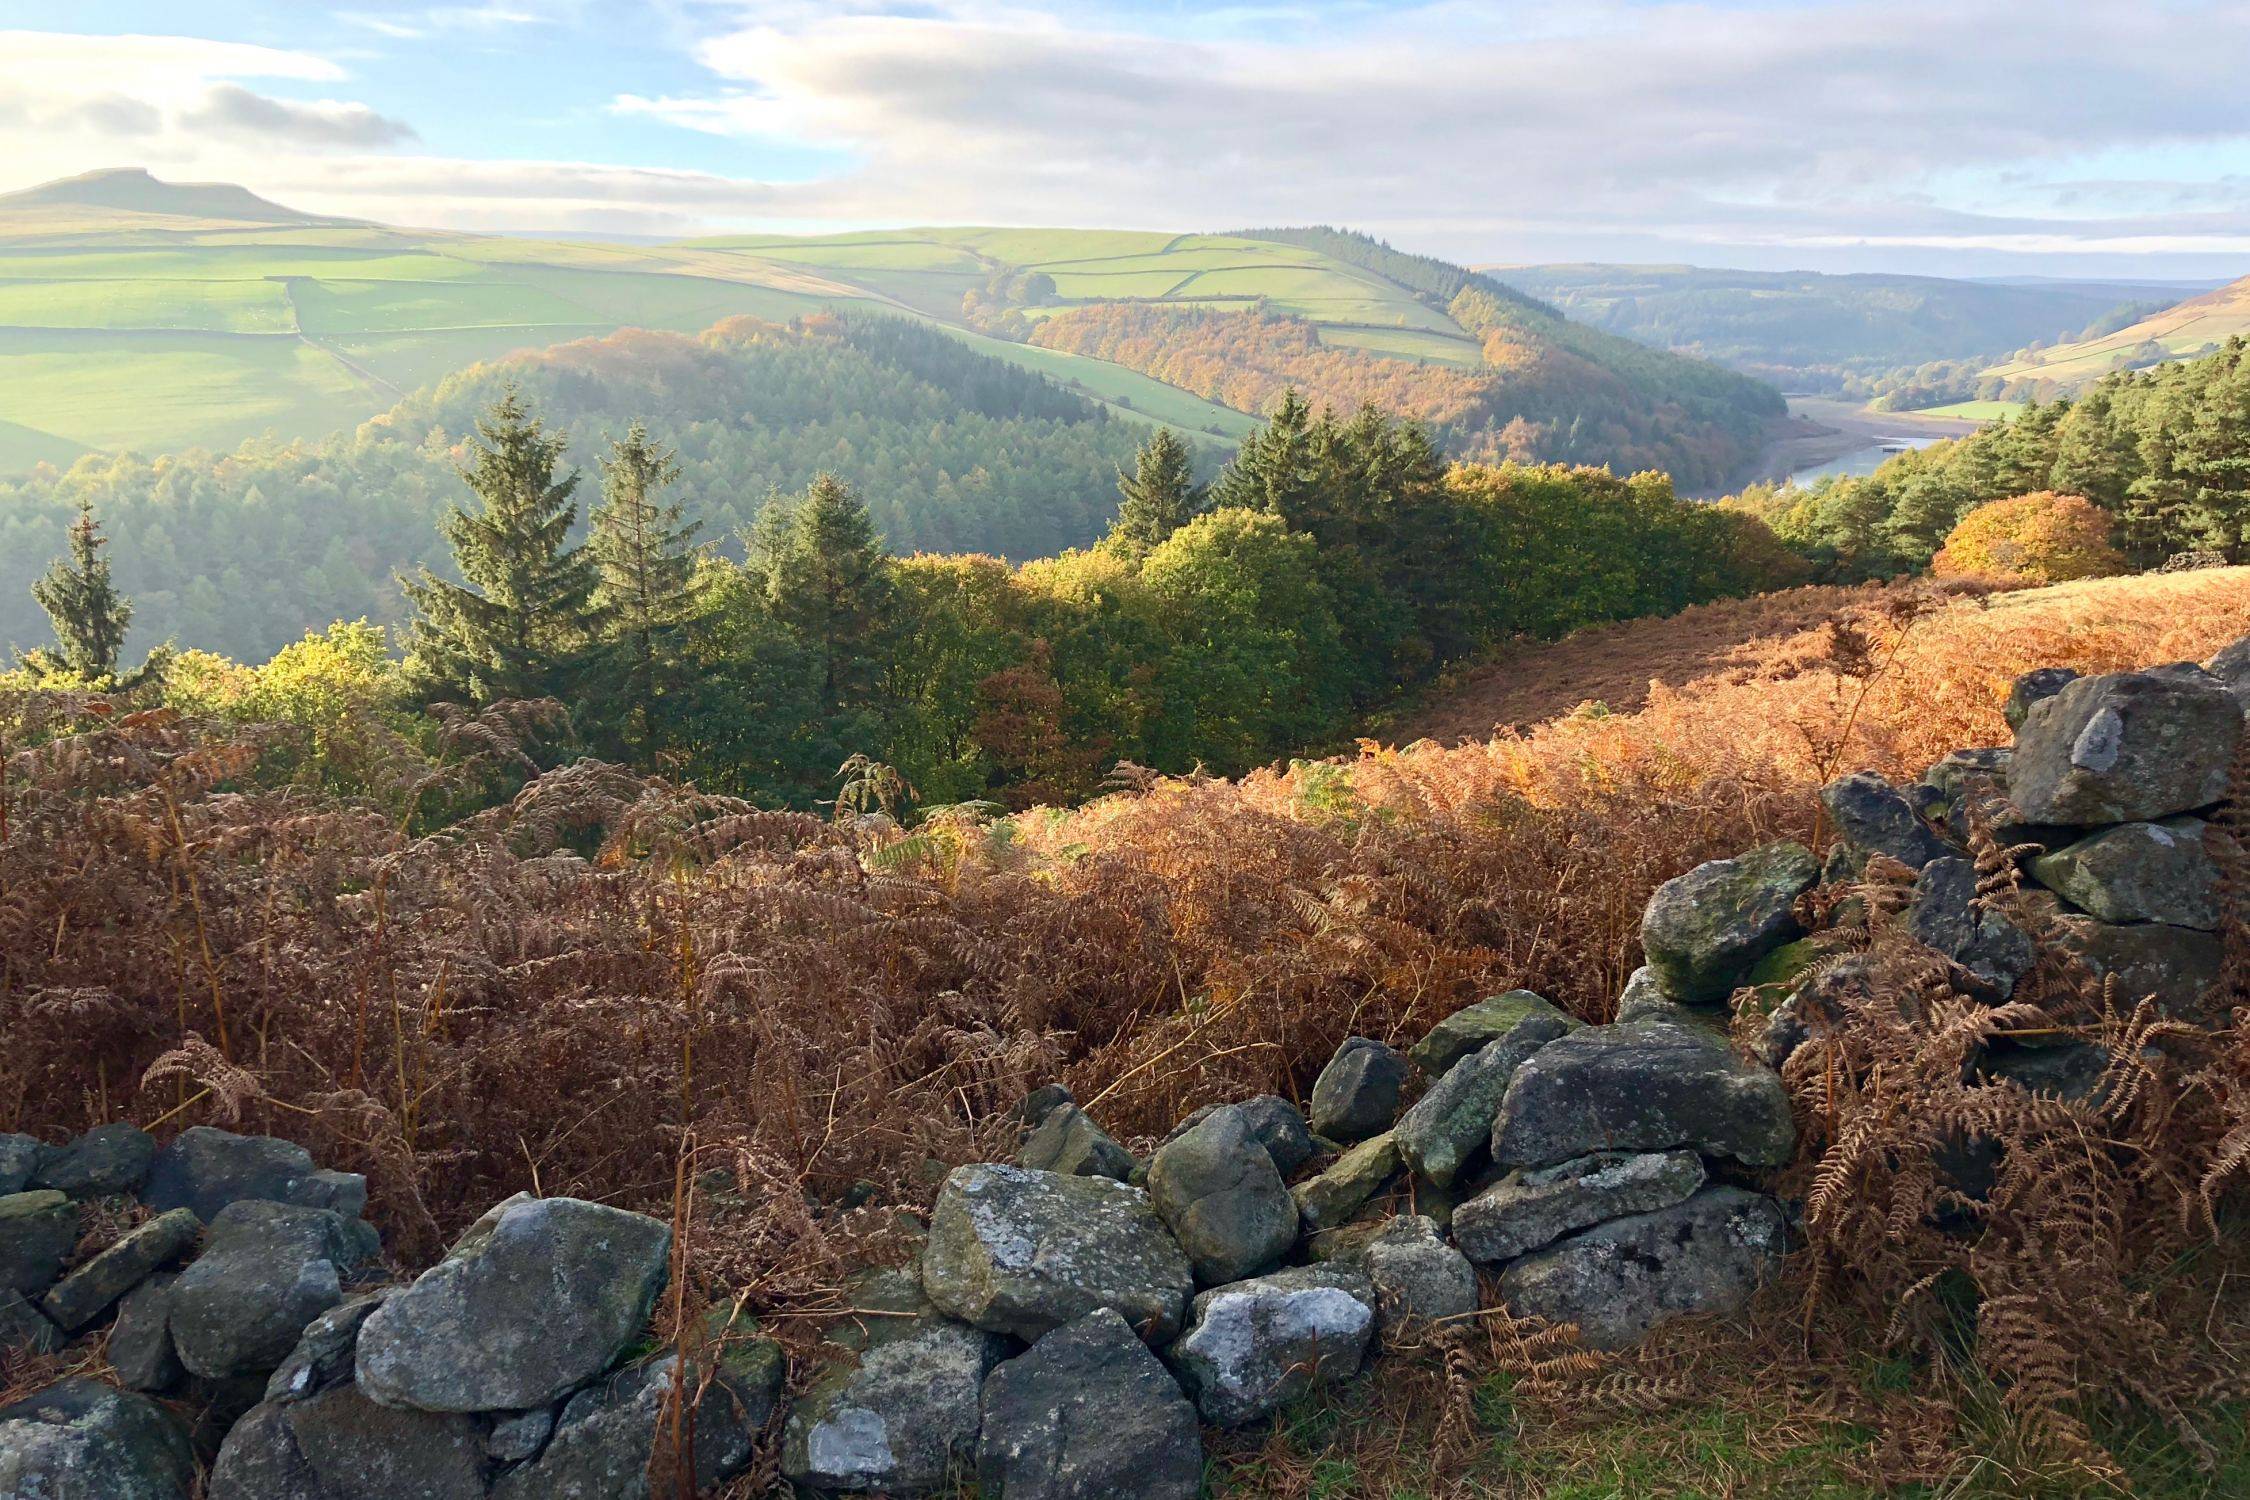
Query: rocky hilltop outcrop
{"x":1076,"y":1316}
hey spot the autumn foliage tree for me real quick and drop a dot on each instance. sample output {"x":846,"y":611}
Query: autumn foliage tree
{"x":2042,"y":537}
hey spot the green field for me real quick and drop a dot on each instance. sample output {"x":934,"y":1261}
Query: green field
{"x":2194,"y":327}
{"x":1976,"y":411}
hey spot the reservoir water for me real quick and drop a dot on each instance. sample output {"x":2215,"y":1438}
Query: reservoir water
{"x":1860,"y":460}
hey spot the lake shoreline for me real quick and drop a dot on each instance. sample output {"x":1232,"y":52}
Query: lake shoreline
{"x":1819,"y":430}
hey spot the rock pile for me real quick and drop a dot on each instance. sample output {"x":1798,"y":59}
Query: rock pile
{"x":1075,"y":1314}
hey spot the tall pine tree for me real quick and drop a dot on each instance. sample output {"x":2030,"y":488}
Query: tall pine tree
{"x":520,"y":624}
{"x":89,"y":615}
{"x":828,"y":581}
{"x":644,"y":553}
{"x":1160,"y":495}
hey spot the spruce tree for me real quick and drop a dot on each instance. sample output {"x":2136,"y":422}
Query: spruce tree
{"x":828,"y":580}
{"x":644,"y":553}
{"x":89,"y":615}
{"x":520,"y":624}
{"x":1160,"y":495}
{"x":1276,"y":468}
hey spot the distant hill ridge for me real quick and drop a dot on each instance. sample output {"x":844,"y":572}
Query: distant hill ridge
{"x":135,"y":190}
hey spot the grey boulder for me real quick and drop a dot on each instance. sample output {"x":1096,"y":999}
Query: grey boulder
{"x":1648,"y":1087}
{"x":1217,"y":1189}
{"x":140,"y":1345}
{"x":338,"y":1445}
{"x":38,"y":1230}
{"x":86,"y":1293}
{"x":1357,"y":1094}
{"x":1067,"y":1140}
{"x":1872,"y":817}
{"x":2139,"y":872}
{"x":24,"y":1329}
{"x":1018,"y":1251}
{"x":20,"y":1159}
{"x":2127,"y":747}
{"x":205,"y":1170}
{"x":267,"y":1269}
{"x":1618,"y":1280}
{"x":1525,"y":1211}
{"x":1256,"y":1345}
{"x":541,"y":1295}
{"x":2176,"y":966}
{"x":1273,"y":1120}
{"x":612,"y":1438}
{"x":899,"y":1415}
{"x":2232,"y":667}
{"x":1948,"y":917}
{"x":82,"y":1440}
{"x":2035,"y":686}
{"x":1416,"y":1274}
{"x":1449,"y":1126}
{"x":108,"y":1159}
{"x":1088,"y":1414}
{"x":1344,"y":1186}
{"x":1703,"y":930}
{"x":324,"y":1352}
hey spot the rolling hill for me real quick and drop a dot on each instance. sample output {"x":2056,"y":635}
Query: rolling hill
{"x":147,"y":316}
{"x":2185,"y":330}
{"x":1805,"y":329}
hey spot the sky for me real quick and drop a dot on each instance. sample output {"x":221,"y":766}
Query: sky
{"x":1949,"y":137}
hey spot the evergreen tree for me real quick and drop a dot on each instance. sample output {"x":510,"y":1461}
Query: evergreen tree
{"x":643,"y":551}
{"x":1275,"y":468}
{"x":89,"y":615}
{"x":828,"y":581}
{"x":1160,"y":495}
{"x":520,"y":625}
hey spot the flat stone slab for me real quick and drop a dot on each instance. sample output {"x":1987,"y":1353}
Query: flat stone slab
{"x":1620,"y":1279}
{"x":1644,"y":1087}
{"x":2139,"y":872}
{"x":1332,"y":1196}
{"x":86,"y":1293}
{"x":1525,"y":1211}
{"x":1022,"y":1252}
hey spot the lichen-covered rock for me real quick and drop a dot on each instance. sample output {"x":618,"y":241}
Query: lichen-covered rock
{"x":1472,"y":1028}
{"x":1648,"y":1087}
{"x":1219,"y":1192}
{"x":2127,"y":747}
{"x":38,"y":1230}
{"x":108,"y":1159}
{"x":1416,"y":1274}
{"x":1357,"y":1094}
{"x":1617,"y":1280}
{"x":2232,"y":667}
{"x":1041,"y":1102}
{"x":2177,"y":966}
{"x":205,"y":1170}
{"x":1449,"y":1126}
{"x":267,"y":1269}
{"x":1872,"y":817}
{"x":1525,"y":1211}
{"x":610,"y":1440}
{"x":2139,"y":872}
{"x":1273,"y":1120}
{"x":1947,"y":916}
{"x":1703,"y":930}
{"x":1340,"y":1190}
{"x":1068,"y":1141}
{"x":140,"y":1345}
{"x":1957,"y":780}
{"x":538,"y":1297}
{"x":21,"y":1156}
{"x":2035,"y":686}
{"x":1088,"y":1414}
{"x":86,"y":1293}
{"x":1021,"y":1252}
{"x":1258,"y":1344}
{"x":82,"y":1440}
{"x":24,"y":1329}
{"x":338,"y":1445}
{"x":900,"y":1416}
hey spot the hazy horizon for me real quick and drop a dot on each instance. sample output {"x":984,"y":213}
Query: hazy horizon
{"x":1833,"y":135}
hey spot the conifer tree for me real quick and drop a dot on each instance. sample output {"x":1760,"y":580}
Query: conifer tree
{"x":1275,"y":469}
{"x":828,"y":581}
{"x":644,"y":554}
{"x":519,"y":625}
{"x":89,"y":615}
{"x":1160,"y":495}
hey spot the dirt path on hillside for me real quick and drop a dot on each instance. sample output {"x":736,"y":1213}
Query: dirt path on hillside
{"x":1613,"y":664}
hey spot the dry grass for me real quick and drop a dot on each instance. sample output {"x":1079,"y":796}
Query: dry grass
{"x":621,"y":988}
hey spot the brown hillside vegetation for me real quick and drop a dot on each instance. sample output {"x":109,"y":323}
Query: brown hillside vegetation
{"x":779,"y":1028}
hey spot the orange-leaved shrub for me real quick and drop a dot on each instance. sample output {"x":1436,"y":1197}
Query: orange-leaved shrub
{"x":2037,"y":538}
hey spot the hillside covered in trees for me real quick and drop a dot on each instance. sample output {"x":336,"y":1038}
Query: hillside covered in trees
{"x":242,"y":552}
{"x":2165,"y":453}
